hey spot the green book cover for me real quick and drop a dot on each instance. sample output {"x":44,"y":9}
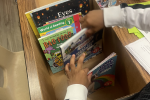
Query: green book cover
{"x":72,"y":21}
{"x":50,"y":46}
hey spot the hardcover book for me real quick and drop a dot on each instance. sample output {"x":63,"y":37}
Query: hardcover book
{"x":50,"y":46}
{"x":59,"y":10}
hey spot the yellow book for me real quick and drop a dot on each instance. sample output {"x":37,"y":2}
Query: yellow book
{"x":32,"y":24}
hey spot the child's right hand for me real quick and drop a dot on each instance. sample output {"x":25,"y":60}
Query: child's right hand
{"x":78,"y":75}
{"x":94,"y":21}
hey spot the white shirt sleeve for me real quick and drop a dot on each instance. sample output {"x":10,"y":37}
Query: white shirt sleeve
{"x":76,"y":92}
{"x":127,"y":17}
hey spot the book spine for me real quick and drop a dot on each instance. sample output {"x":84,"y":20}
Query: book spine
{"x":77,"y":23}
{"x":32,"y":25}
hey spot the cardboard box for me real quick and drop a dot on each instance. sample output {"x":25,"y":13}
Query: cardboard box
{"x":54,"y":86}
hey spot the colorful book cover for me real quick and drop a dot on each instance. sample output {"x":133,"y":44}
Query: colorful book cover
{"x":80,"y":43}
{"x":80,"y":15}
{"x":31,"y":21}
{"x":102,"y":3}
{"x":59,"y":10}
{"x":103,"y":75}
{"x":50,"y":46}
{"x":64,"y":23}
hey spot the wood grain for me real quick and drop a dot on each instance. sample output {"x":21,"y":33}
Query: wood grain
{"x":10,"y":33}
{"x":35,"y":90}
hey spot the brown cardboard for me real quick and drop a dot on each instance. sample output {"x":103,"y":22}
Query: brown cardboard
{"x":53,"y":86}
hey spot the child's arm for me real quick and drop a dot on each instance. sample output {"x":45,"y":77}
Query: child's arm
{"x":78,"y":80}
{"x":122,"y":15}
{"x":128,"y":16}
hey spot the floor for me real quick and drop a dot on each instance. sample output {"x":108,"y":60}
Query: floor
{"x":10,"y":33}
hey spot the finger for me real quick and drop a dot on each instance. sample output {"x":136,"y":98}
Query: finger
{"x":67,"y":70}
{"x":89,"y":78}
{"x":81,"y":19}
{"x":89,"y":32}
{"x":80,"y":61}
{"x":72,"y":62}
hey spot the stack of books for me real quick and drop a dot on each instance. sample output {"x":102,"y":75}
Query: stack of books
{"x":54,"y":25}
{"x":59,"y":33}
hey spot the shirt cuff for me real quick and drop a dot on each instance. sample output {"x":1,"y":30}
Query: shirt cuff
{"x":76,"y":92}
{"x":113,"y":16}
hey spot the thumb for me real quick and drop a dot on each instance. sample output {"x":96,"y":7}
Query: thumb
{"x":89,"y":78}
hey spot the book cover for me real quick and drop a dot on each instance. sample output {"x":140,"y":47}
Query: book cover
{"x":31,"y":21}
{"x":80,"y":15}
{"x":59,"y":10}
{"x":103,"y":75}
{"x":64,"y":23}
{"x":50,"y":46}
{"x":80,"y":43}
{"x":102,"y":3}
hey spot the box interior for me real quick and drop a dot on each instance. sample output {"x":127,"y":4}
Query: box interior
{"x":53,"y":86}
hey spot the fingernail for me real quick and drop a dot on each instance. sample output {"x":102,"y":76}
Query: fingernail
{"x":84,"y":54}
{"x":73,"y":55}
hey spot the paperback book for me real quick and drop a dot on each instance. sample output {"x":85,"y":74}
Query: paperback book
{"x":80,"y":43}
{"x":50,"y":46}
{"x":103,"y":74}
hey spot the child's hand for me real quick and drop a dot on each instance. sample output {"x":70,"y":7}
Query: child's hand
{"x":78,"y":75}
{"x":94,"y":21}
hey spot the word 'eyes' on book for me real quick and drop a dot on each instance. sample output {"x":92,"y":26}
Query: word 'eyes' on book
{"x":63,"y":14}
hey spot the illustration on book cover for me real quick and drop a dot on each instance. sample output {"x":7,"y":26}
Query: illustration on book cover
{"x":79,"y":44}
{"x":61,"y":10}
{"x":103,"y":76}
{"x":50,"y":46}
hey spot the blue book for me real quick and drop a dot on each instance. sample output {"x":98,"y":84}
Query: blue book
{"x":103,"y":74}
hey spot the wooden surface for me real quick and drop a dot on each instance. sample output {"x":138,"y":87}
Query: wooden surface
{"x":34,"y":86}
{"x":27,"y":5}
{"x":10,"y":33}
